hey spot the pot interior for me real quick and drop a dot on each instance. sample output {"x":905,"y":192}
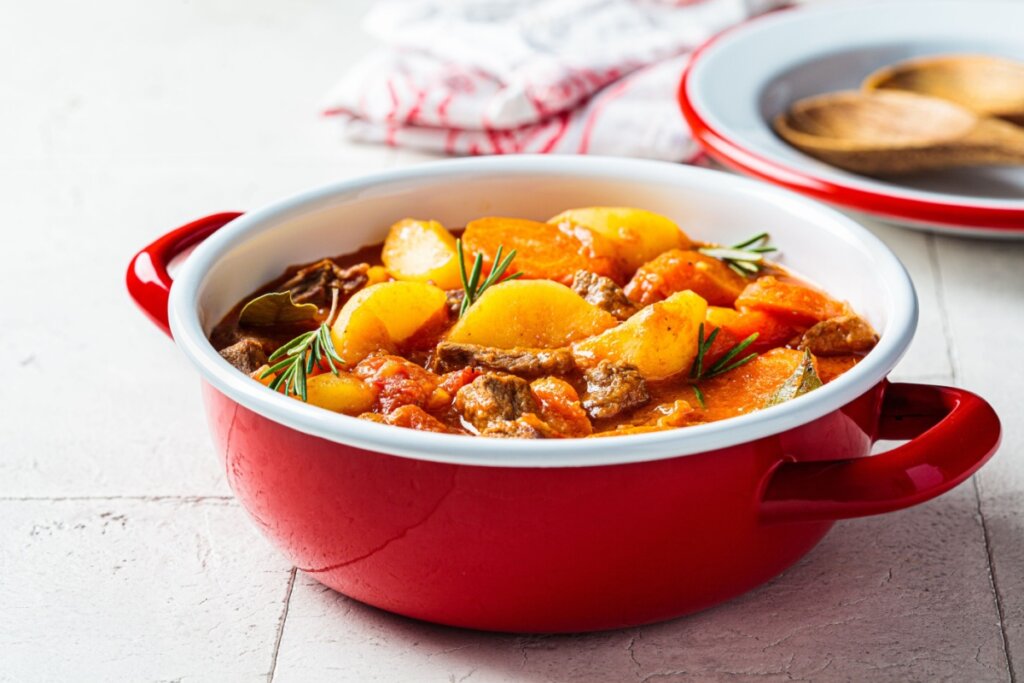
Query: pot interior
{"x":814,"y":241}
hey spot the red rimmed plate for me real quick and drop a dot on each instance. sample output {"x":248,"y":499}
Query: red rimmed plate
{"x":739,"y":81}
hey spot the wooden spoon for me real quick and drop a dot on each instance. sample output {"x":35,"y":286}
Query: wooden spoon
{"x":891,"y":132}
{"x":988,"y":86}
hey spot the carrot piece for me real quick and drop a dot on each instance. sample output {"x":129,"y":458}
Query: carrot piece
{"x":676,"y":270}
{"x":772,"y":330}
{"x":746,"y":388}
{"x":543,"y":251}
{"x":797,"y":303}
{"x":830,"y":367}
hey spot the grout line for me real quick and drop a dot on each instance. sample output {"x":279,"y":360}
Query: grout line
{"x":280,"y":625}
{"x":994,"y":583}
{"x":947,"y":333}
{"x":940,"y":296}
{"x":154,"y":499}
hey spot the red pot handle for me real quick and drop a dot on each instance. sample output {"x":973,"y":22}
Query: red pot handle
{"x":952,"y":433}
{"x":148,"y":281}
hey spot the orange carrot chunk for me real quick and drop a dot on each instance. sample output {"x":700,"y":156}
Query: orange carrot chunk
{"x":676,"y":270}
{"x":543,"y":251}
{"x":796,"y":303}
{"x":772,"y":330}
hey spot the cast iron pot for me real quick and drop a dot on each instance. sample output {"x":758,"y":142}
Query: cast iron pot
{"x":575,"y":534}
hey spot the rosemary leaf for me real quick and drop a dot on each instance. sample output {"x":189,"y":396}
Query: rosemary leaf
{"x":743,"y":258}
{"x":471,"y":284}
{"x":720,"y":366}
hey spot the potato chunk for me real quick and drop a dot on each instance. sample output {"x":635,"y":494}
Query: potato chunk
{"x":660,"y":340}
{"x":636,"y":235}
{"x":422,"y":251}
{"x":533,"y":313}
{"x":341,"y":393}
{"x":382,"y":316}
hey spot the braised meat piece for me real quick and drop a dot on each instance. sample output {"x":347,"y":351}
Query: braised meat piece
{"x":518,"y":361}
{"x":312,"y":284}
{"x":527,"y":426}
{"x":410,"y":417}
{"x":603,"y":293}
{"x":401,"y":382}
{"x":247,"y":355}
{"x":493,"y":399}
{"x":839,"y":336}
{"x":612,"y":389}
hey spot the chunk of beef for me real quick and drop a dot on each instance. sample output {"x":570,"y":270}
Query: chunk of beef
{"x":493,"y":399}
{"x":612,"y":389}
{"x":312,"y":284}
{"x":410,"y":417}
{"x":518,"y":361}
{"x":527,"y":426}
{"x":603,"y":293}
{"x":839,"y":336}
{"x":247,"y":355}
{"x":401,"y":382}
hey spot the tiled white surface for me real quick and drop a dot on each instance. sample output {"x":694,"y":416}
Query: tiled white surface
{"x":122,"y":556}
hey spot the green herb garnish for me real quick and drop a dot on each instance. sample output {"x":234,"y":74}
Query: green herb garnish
{"x":803,"y":380}
{"x":275,"y":307}
{"x":296,"y":359}
{"x":698,"y":372}
{"x":746,"y":257}
{"x":471,"y":284}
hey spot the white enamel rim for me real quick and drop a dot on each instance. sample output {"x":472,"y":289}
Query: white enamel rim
{"x":783,"y":40}
{"x":901,"y":313}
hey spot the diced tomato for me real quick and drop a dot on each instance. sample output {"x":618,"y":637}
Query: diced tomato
{"x":560,"y":407}
{"x":401,"y":382}
{"x":456,"y":379}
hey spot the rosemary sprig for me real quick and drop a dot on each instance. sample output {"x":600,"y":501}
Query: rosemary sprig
{"x":721,"y":366}
{"x":296,"y":359}
{"x":471,"y":284}
{"x":744,"y":258}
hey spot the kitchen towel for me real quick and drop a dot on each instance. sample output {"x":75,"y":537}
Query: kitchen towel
{"x":530,"y":76}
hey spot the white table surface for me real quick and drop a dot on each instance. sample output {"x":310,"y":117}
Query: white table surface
{"x":122,"y":553}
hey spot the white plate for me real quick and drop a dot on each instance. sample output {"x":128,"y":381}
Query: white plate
{"x":740,"y":80}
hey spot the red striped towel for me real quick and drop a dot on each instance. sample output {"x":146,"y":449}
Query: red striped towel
{"x":530,"y":76}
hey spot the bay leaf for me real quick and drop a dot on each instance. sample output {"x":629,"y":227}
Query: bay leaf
{"x":803,"y":380}
{"x":273,"y":308}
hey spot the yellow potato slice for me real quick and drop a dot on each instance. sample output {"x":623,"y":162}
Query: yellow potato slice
{"x":422,"y":251}
{"x":660,"y":340}
{"x":341,"y":393}
{"x":531,"y":313}
{"x":382,"y":316}
{"x":637,"y":235}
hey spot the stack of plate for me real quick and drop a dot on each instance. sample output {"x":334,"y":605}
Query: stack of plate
{"x":738,"y":82}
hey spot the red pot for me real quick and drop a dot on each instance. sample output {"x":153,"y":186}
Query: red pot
{"x":570,"y":535}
